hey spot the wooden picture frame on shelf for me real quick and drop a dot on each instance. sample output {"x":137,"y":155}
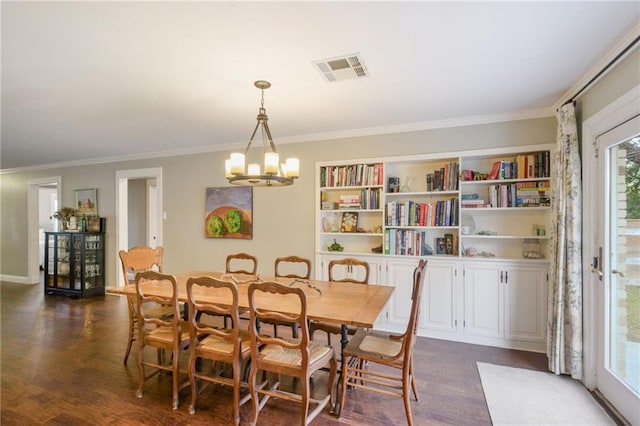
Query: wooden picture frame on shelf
{"x":448,"y":242}
{"x":349,"y":222}
{"x":93,"y":224}
{"x":441,"y":246}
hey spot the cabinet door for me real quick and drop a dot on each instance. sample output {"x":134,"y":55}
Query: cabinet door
{"x":439,"y":297}
{"x":400,"y":276}
{"x":483,"y":300}
{"x":525,"y":303}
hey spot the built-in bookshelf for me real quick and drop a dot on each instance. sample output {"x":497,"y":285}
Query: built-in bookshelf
{"x":480,"y":204}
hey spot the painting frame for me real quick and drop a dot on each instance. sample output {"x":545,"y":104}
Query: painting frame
{"x":349,"y":222}
{"x":229,"y":212}
{"x":86,"y":202}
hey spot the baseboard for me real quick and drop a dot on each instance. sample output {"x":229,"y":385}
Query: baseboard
{"x":16,"y":279}
{"x":610,"y":409}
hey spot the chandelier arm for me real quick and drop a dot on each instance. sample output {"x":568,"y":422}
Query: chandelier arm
{"x":253,"y":135}
{"x":268,"y":132}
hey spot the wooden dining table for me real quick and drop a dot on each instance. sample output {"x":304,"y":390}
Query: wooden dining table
{"x":333,"y":302}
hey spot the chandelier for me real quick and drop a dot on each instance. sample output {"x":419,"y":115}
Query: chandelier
{"x":274,"y":173}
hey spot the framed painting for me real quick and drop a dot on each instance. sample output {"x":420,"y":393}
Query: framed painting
{"x":349,"y":222}
{"x":229,"y":212}
{"x":86,"y":202}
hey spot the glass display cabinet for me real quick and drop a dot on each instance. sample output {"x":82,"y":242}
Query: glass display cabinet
{"x":74,"y":263}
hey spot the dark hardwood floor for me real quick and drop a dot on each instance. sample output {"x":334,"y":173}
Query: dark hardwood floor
{"x":62,"y":364}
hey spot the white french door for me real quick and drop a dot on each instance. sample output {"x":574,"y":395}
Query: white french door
{"x":616,"y":267}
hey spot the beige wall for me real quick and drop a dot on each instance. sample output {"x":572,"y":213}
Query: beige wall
{"x":283,"y":217}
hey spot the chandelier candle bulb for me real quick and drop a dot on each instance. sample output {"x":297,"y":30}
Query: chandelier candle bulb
{"x":237,"y":163}
{"x":254,"y":169}
{"x":271,"y":161}
{"x":293,"y":167}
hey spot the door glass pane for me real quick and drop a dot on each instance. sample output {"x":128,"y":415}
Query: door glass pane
{"x":624,"y":266}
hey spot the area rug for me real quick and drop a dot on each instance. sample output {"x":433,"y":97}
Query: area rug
{"x":525,"y":397}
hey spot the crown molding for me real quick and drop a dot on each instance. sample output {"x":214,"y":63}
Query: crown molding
{"x":370,"y":131}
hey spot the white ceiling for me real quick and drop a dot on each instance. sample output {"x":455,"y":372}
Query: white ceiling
{"x":87,"y":80}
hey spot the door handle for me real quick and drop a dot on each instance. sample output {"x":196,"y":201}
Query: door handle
{"x":615,"y":271}
{"x":596,"y":265}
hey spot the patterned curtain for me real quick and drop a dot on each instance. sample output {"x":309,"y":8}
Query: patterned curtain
{"x":564,"y":328}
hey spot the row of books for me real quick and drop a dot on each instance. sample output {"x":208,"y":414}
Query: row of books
{"x":522,"y":194}
{"x":522,"y":167}
{"x":405,"y":242}
{"x":444,"y":179}
{"x":368,"y":198}
{"x":352,"y":175}
{"x":413,"y":213}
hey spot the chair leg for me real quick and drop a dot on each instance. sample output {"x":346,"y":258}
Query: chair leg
{"x":407,"y":402}
{"x":305,"y":401}
{"x":237,"y":367}
{"x":139,"y":355}
{"x":175,"y":359}
{"x":129,"y":343}
{"x":414,"y":387}
{"x":193,"y":380}
{"x":133,"y":323}
{"x":254,"y":393}
{"x":333,"y":369}
{"x":343,"y":384}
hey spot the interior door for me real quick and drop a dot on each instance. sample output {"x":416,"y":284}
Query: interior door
{"x":617,"y":264}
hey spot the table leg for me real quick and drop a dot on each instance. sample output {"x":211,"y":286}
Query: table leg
{"x":343,"y":344}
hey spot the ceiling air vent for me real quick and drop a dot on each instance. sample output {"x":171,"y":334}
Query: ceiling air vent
{"x":342,"y":68}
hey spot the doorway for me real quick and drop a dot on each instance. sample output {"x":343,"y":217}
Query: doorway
{"x":42,"y":200}
{"x":138,"y":211}
{"x":612,"y":152}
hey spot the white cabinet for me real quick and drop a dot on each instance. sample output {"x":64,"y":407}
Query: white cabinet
{"x":525,"y":303}
{"x":505,"y":302}
{"x":483,"y":299}
{"x":439,"y":299}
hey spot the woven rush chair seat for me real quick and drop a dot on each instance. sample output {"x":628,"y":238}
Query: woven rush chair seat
{"x":217,"y":345}
{"x":279,"y":354}
{"x":369,"y":347}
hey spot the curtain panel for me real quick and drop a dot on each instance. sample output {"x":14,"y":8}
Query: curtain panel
{"x":564,"y":328}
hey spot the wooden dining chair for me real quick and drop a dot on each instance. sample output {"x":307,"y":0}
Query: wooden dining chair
{"x":351,"y":270}
{"x":168,"y":334}
{"x":140,"y":259}
{"x":241,"y":263}
{"x":299,"y":358}
{"x":370,"y":347}
{"x":226,"y":345}
{"x":290,"y":267}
